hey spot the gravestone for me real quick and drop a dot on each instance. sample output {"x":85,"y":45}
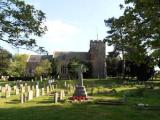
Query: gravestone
{"x":8,"y":91}
{"x":65,"y":84}
{"x":14,"y":88}
{"x":17,"y":91}
{"x":30,"y":95}
{"x":28,"y":88}
{"x":47,"y":90}
{"x":80,"y":90}
{"x":21,"y":85}
{"x":37,"y":92}
{"x":41,"y":78}
{"x":52,"y":87}
{"x":42,"y":92}
{"x":55,"y":97}
{"x":22,"y":98}
{"x":33,"y":87}
{"x":37,"y":87}
{"x":25,"y":97}
{"x":6,"y":86}
{"x":22,"y":89}
{"x":3,"y":90}
{"x":62,"y":95}
{"x":7,"y":94}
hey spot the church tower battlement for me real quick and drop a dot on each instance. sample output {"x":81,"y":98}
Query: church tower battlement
{"x":97,"y":53}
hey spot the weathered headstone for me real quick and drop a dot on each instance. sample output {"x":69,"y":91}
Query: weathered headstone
{"x":22,"y":98}
{"x":30,"y":95}
{"x":61,"y":97}
{"x":3,"y":90}
{"x":42,"y":92}
{"x":21,"y":85}
{"x":33,"y":87}
{"x":41,"y":78}
{"x":37,"y":92}
{"x":51,"y":88}
{"x":55,"y":97}
{"x":37,"y":87}
{"x":28,"y":88}
{"x":22,"y":89}
{"x":65,"y":84}
{"x":47,"y":91}
{"x":6,"y":86}
{"x":7,"y":94}
{"x":17,"y":91}
{"x":14,"y":87}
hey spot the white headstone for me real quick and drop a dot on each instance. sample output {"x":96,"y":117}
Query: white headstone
{"x":55,"y":97}
{"x":17,"y":91}
{"x":65,"y":84}
{"x":30,"y":95}
{"x":42,"y":91}
{"x":7,"y":93}
{"x":22,"y":98}
{"x":37,"y":92}
{"x":47,"y":90}
{"x":22,"y":89}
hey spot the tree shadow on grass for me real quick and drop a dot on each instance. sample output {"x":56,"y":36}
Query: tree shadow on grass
{"x":75,"y":112}
{"x":14,"y":101}
{"x":45,"y":101}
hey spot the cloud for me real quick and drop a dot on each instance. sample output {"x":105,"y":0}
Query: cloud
{"x":60,"y":31}
{"x":60,"y":35}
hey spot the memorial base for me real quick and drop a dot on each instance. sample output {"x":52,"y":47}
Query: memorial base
{"x":80,"y":91}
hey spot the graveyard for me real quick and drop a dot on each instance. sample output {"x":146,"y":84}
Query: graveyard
{"x":107,"y":99}
{"x":80,"y":60}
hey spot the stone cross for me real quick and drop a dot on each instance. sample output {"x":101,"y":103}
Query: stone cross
{"x":80,"y":88}
{"x":79,"y":69}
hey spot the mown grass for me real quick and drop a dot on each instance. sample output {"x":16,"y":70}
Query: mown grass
{"x":43,"y":108}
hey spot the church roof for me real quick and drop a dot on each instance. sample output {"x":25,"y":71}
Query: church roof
{"x":70,"y":55}
{"x":34,"y":58}
{"x":38,"y":58}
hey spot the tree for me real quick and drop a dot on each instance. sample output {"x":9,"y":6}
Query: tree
{"x":54,"y":67}
{"x":143,"y":18}
{"x":117,"y":36}
{"x":113,"y":64}
{"x":140,"y":27}
{"x":72,"y":66}
{"x":19,"y":22}
{"x":18,"y":66}
{"x":43,"y":68}
{"x":143,"y":71}
{"x":5,"y":58}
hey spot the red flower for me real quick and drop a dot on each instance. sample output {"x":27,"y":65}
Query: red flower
{"x":79,"y":98}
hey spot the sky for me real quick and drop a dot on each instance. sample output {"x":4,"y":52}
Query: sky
{"x":73,"y":23}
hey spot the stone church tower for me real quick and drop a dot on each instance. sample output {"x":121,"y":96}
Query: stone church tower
{"x":97,"y":56}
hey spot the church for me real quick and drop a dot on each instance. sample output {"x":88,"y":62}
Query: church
{"x":96,"y":56}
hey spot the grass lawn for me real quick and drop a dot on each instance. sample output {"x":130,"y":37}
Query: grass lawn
{"x":43,"y":108}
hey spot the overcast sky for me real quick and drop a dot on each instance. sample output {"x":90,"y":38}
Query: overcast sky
{"x":73,"y":23}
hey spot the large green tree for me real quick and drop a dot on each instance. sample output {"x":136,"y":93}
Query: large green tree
{"x":43,"y":68}
{"x":143,"y":21}
{"x":136,"y":32}
{"x":18,"y":65}
{"x":20,"y":24}
{"x":5,"y":58}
